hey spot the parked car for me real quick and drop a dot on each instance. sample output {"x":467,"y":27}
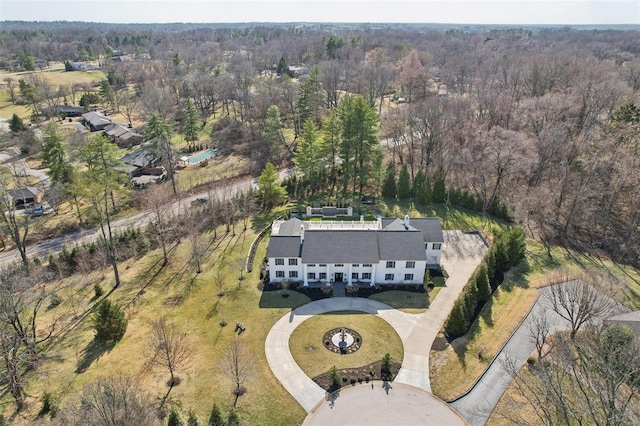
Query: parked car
{"x":200,"y":200}
{"x":37,"y":210}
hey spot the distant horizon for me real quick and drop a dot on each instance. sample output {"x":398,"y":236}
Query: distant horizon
{"x":425,"y":12}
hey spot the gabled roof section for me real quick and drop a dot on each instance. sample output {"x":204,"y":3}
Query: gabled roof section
{"x":430,"y":227}
{"x":115,"y":130}
{"x":24,"y":192}
{"x":401,"y":245}
{"x":142,"y":157}
{"x":292,"y":227}
{"x":397,"y":225}
{"x":282,"y":246}
{"x":96,"y":119}
{"x":328,"y":246}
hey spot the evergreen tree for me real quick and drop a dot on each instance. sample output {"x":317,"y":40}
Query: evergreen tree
{"x":515,"y":246}
{"x":385,"y":364}
{"x":192,"y":420}
{"x":482,"y":283}
{"x":310,"y":100}
{"x":26,"y":60}
{"x":417,"y":186}
{"x":272,"y":132}
{"x":457,"y":323}
{"x":54,"y":155}
{"x":191,"y":125}
{"x":215,"y":418}
{"x":270,"y":192}
{"x":425,"y":197}
{"x":439,"y":190}
{"x":470,"y":298}
{"x":16,"y":124}
{"x":233,"y":419}
{"x":389,"y":189}
{"x":404,"y":183}
{"x":331,"y":131}
{"x":309,"y":153}
{"x":159,"y":133}
{"x":109,"y":322}
{"x":106,"y":93}
{"x":174,"y":419}
{"x":359,"y":141}
{"x":283,"y":67}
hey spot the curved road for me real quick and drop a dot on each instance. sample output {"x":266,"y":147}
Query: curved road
{"x":476,"y":406}
{"x":42,"y":249}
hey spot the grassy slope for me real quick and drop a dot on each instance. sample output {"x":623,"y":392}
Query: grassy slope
{"x":454,"y":370}
{"x":199,"y":314}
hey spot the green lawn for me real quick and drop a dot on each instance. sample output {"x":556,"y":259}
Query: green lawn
{"x":378,"y":338}
{"x":190,"y":301}
{"x":406,"y":301}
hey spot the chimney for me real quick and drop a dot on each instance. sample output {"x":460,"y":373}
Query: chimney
{"x":301,"y":234}
{"x":406,"y":221}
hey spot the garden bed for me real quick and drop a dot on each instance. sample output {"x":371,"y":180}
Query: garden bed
{"x":351,"y":376}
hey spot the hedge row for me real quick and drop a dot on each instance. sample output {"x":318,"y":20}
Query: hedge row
{"x":507,"y":250}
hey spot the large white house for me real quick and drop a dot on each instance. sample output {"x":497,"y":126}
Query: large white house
{"x":384,"y":251}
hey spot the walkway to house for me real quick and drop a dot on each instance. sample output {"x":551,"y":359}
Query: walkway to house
{"x":339,"y":290}
{"x":463,"y":252}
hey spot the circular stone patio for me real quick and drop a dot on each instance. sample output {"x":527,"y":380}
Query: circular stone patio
{"x":371,"y":404}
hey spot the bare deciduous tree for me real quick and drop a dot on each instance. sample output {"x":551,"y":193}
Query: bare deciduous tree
{"x":240,"y":366}
{"x":157,"y":200}
{"x":578,"y":302}
{"x":168,"y":348}
{"x":540,"y":331}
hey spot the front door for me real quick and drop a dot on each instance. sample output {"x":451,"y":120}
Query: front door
{"x":339,"y":277}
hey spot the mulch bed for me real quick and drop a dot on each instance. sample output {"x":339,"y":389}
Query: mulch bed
{"x":351,"y":376}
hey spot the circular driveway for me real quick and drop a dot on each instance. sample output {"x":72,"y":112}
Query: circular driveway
{"x":371,"y":404}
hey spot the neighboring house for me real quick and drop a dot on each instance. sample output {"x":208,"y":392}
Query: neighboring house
{"x":141,"y":161}
{"x":123,"y":136}
{"x":630,"y":319}
{"x":22,"y":197}
{"x":64,"y":111}
{"x":96,"y":121}
{"x":384,"y":251}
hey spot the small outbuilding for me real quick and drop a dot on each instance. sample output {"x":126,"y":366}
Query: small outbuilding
{"x":25,"y":196}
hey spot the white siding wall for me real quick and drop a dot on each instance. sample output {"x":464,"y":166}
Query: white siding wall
{"x":399,"y":272}
{"x":433,"y":255}
{"x":286,"y":268}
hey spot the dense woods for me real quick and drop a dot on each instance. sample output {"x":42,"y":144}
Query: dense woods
{"x":541,"y":119}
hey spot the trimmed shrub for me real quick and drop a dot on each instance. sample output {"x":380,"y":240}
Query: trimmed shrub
{"x":109,"y":322}
{"x":457,"y":323}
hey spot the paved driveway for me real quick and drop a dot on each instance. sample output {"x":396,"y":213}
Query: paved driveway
{"x":461,"y":255}
{"x":383,"y":404}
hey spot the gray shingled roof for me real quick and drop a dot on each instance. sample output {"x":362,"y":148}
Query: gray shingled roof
{"x":328,"y":246}
{"x":96,"y":119}
{"x":292,"y":227}
{"x":401,"y":245}
{"x":280,"y":246}
{"x":430,"y":227}
{"x":25,"y":192}
{"x":397,"y":225}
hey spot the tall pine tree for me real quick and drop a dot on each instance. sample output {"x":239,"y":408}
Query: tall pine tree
{"x":389,"y":189}
{"x":191,"y":125}
{"x":404,"y":183}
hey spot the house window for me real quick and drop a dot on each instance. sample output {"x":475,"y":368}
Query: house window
{"x":279,"y":261}
{"x":437,"y":246}
{"x":279,"y":274}
{"x":408,"y":277}
{"x":356,"y":265}
{"x":366,"y":275}
{"x":323,"y":275}
{"x":311,"y":265}
{"x":391,"y":264}
{"x":293,"y":274}
{"x":411,"y":264}
{"x":323,"y":265}
{"x":354,"y":275}
{"x":339,"y":265}
{"x":293,"y":262}
{"x":366,"y":265}
{"x":311,"y":275}
{"x":388,"y":277}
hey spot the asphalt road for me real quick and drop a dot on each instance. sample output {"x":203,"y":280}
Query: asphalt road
{"x":43,"y":248}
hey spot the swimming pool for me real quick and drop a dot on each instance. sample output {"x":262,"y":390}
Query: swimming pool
{"x":202,"y":156}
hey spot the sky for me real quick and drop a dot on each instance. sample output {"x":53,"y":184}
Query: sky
{"x":551,"y":12}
